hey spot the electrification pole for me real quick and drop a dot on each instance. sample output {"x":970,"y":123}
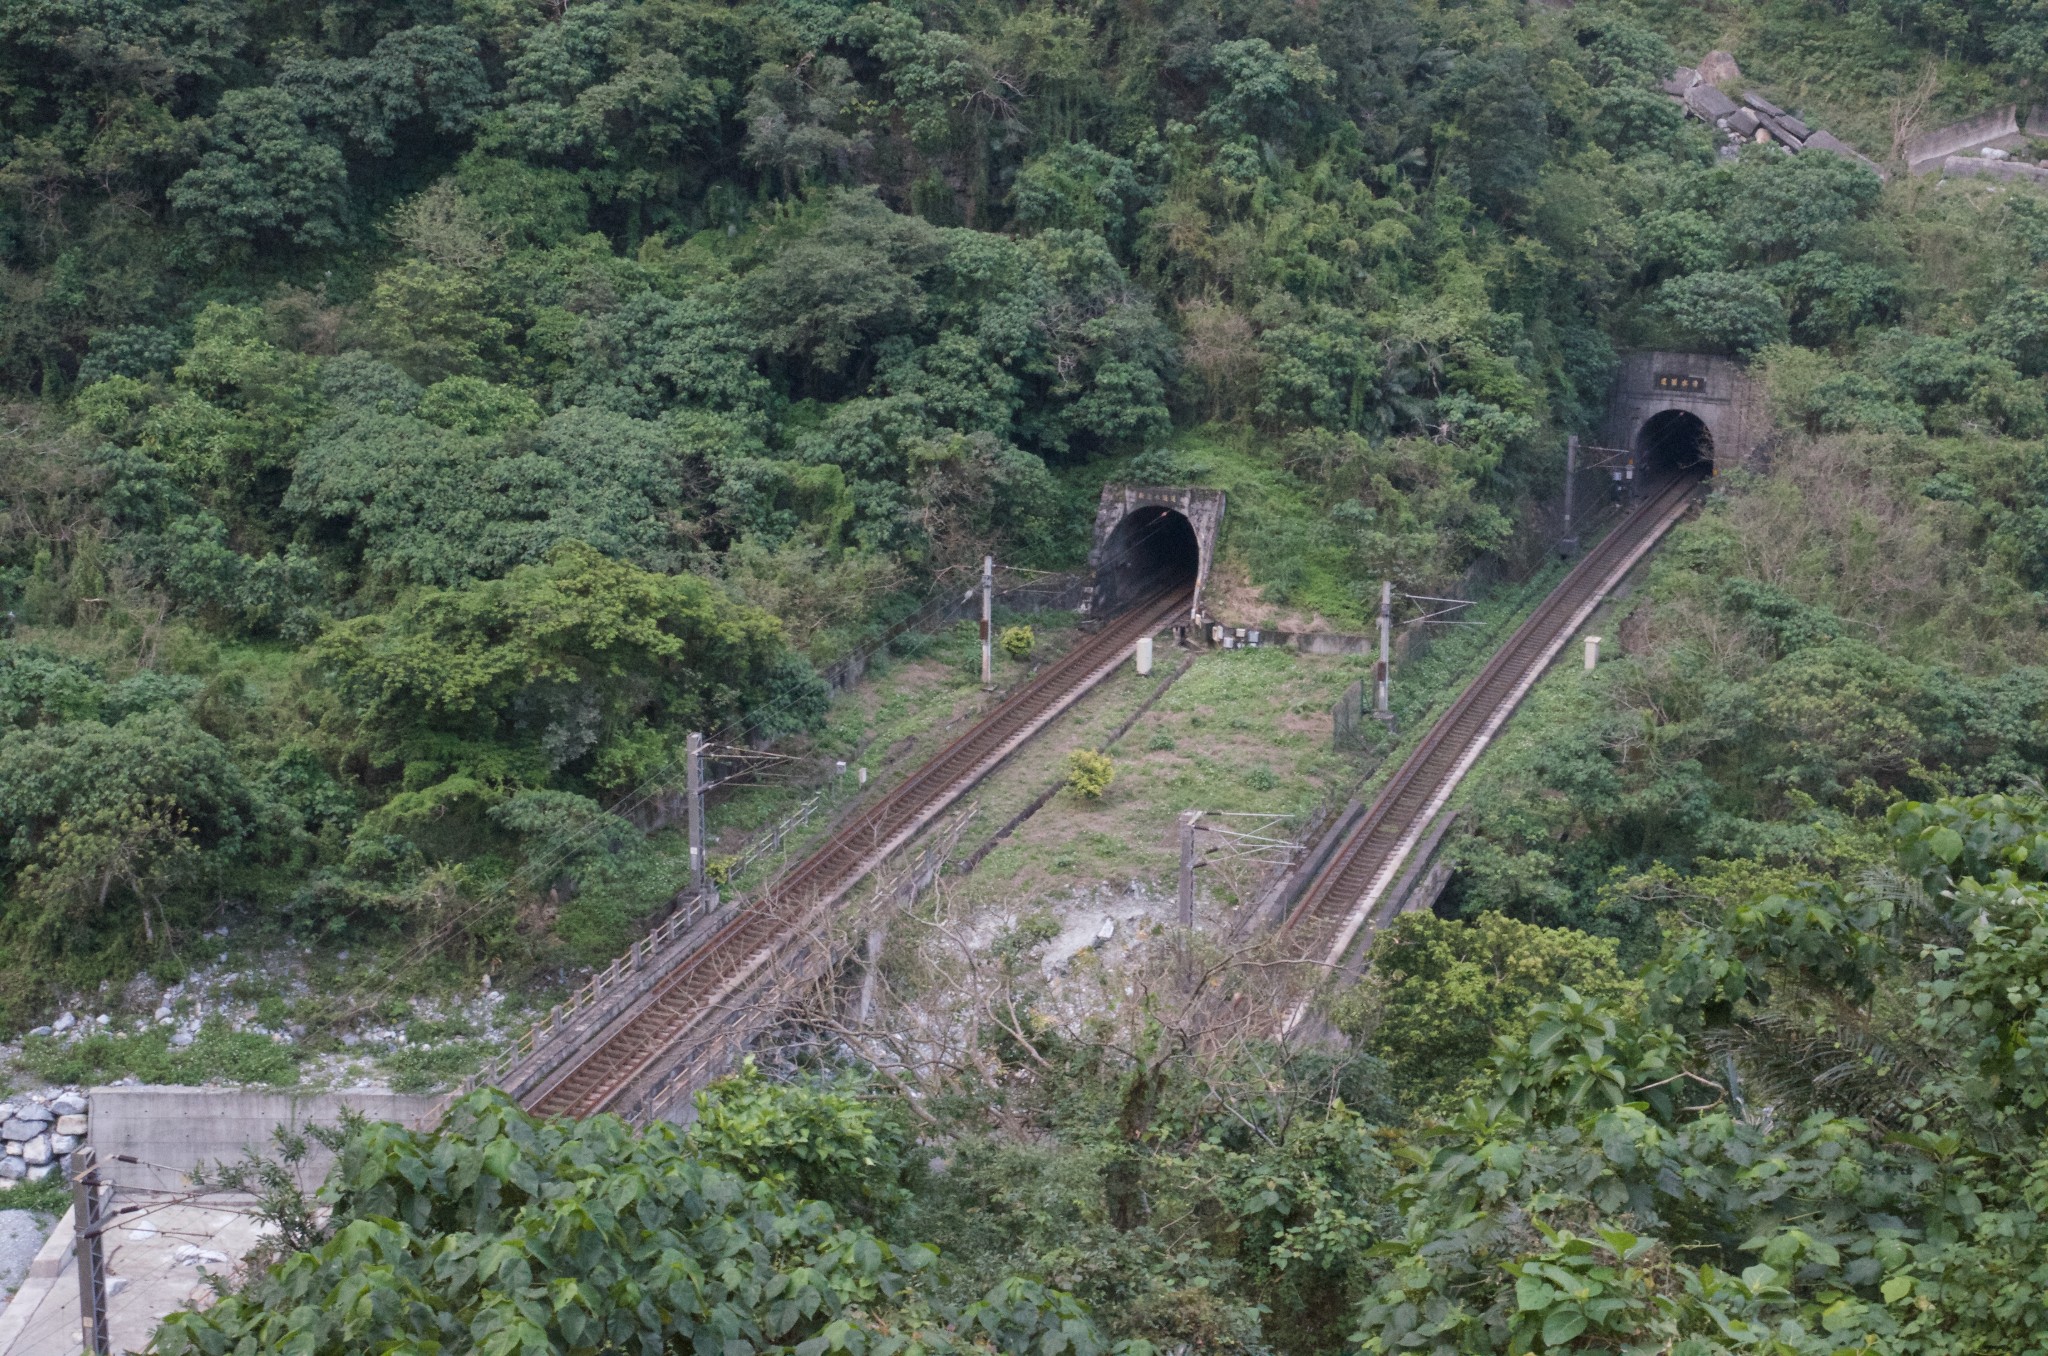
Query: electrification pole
{"x":693,"y":783}
{"x":91,"y":1253}
{"x":1384,"y":669}
{"x":988,"y":591}
{"x":1570,"y":545}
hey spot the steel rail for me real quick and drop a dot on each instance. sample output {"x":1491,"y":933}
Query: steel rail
{"x":624,"y":1059}
{"x":1343,"y":904}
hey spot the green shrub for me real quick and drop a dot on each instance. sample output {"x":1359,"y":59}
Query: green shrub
{"x":1089,"y":773}
{"x":1442,"y":991}
{"x":426,"y":1031}
{"x":1016,"y":642}
{"x":1733,"y":312}
{"x":1033,"y":930}
{"x":423,"y":1068}
{"x":822,"y":1141}
{"x":216,"y":1055}
{"x":660,"y":1245}
{"x":51,"y":1196}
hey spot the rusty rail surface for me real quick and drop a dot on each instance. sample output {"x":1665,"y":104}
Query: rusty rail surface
{"x":674,"y":1012}
{"x":1344,"y":904}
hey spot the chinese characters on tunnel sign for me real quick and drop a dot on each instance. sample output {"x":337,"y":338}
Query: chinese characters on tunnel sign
{"x":1668,"y":381}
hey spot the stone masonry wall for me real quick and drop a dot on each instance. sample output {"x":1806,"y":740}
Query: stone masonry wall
{"x":40,"y":1133}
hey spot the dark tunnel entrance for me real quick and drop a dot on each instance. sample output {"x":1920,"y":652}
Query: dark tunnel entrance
{"x":1675,"y":440}
{"x":1151,"y":549}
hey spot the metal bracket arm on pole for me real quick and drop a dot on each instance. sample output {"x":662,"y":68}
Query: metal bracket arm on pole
{"x":1455,"y":604}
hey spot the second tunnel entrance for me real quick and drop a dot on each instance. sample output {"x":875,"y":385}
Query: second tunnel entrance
{"x":1153,"y":548}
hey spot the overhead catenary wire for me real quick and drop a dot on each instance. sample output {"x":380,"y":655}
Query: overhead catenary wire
{"x":637,"y":1065}
{"x":735,"y":733}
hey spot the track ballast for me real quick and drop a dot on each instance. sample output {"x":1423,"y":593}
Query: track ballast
{"x":631,"y":1065}
{"x":1345,"y":902}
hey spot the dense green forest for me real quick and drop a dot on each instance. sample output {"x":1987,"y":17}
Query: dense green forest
{"x":415,"y":417}
{"x":348,"y":346}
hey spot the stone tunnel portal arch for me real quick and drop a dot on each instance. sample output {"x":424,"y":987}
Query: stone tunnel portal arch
{"x":1153,"y":547}
{"x":1653,"y":387}
{"x":1675,"y":440}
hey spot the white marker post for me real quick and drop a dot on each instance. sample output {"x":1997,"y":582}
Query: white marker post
{"x":1592,"y":653}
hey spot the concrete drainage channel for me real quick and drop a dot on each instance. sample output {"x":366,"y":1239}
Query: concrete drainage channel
{"x":172,"y":1235}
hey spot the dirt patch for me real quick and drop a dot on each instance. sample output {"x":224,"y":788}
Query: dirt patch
{"x":1231,"y":596}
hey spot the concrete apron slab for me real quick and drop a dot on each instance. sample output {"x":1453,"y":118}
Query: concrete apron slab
{"x":170,"y":1133}
{"x":150,"y":1276}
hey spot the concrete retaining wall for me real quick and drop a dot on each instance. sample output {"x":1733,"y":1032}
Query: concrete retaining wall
{"x":1974,"y":167}
{"x":176,"y":1130}
{"x":1925,"y":152}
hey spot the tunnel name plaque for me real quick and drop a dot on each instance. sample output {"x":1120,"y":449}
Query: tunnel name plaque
{"x":1672,"y":381}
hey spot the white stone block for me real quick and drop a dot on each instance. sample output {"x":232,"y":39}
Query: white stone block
{"x":72,"y":1125}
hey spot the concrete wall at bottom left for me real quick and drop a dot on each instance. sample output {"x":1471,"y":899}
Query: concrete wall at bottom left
{"x":176,"y":1130}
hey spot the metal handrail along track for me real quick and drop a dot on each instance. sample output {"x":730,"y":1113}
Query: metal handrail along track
{"x":1344,"y":902}
{"x":626,"y":1058}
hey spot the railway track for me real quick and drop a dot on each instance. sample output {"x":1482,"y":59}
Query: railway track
{"x":630,"y":1064}
{"x":1345,"y":903}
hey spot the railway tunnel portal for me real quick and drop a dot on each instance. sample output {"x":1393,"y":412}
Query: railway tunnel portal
{"x":1685,"y":411}
{"x":1674,"y":440}
{"x":1148,"y":537}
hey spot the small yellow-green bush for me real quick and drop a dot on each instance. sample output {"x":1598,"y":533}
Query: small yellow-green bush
{"x":1089,"y":773}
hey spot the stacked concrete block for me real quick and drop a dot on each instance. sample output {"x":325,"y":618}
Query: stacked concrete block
{"x":1719,"y":68}
{"x":1709,"y":104}
{"x":1755,"y":118}
{"x":39,"y":1133}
